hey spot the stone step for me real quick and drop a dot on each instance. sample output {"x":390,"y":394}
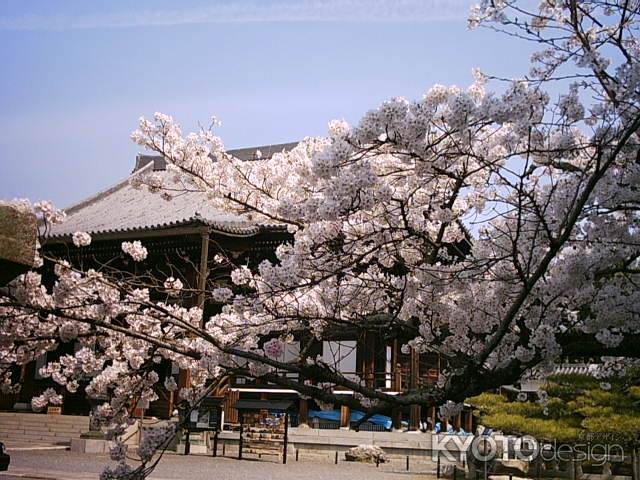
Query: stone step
{"x":51,"y":428}
{"x":43,"y":422}
{"x":69,"y":429}
{"x":39,"y":428}
{"x":30,"y":431}
{"x":33,"y":437}
{"x":38,"y":442}
{"x":11,"y":423}
{"x":11,"y":431}
{"x":43,"y":418}
{"x":48,"y":419}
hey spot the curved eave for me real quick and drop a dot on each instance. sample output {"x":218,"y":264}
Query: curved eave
{"x":191,"y":225}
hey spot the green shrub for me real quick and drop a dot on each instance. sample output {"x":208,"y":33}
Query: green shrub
{"x":577,"y":405}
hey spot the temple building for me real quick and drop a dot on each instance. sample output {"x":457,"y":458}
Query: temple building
{"x":183,"y":236}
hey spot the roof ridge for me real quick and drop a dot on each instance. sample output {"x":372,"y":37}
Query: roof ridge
{"x":246,"y":154}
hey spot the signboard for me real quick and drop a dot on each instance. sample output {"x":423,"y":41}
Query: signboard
{"x":207,"y":416}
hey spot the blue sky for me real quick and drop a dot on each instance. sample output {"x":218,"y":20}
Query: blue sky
{"x":77,"y":74}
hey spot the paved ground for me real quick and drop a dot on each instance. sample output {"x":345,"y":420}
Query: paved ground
{"x":62,"y":464}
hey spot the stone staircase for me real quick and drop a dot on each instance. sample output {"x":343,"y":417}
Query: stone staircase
{"x":33,"y":429}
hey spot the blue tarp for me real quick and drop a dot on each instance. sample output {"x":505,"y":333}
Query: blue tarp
{"x":355,"y":416}
{"x":450,"y":430}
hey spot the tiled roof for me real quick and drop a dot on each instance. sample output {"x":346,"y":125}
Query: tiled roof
{"x":246,"y":154}
{"x":123,"y":208}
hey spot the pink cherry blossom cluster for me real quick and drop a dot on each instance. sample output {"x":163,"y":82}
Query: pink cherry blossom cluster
{"x":81,"y":239}
{"x":173,"y":286}
{"x":49,"y":396}
{"x":274,"y":348}
{"x":135,"y":250}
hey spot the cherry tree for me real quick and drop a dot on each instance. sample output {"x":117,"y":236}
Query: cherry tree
{"x":498,"y":229}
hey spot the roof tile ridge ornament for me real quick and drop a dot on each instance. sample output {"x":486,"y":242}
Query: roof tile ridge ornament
{"x":159,"y":162}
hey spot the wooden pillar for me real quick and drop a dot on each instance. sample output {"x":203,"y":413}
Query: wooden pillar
{"x":187,"y":442}
{"x":414,"y":376}
{"x":286,"y":437}
{"x":184,"y":379}
{"x":215,"y":443}
{"x":172,"y":402}
{"x":345,"y":416}
{"x":432,"y":415}
{"x":369,"y":359}
{"x":414,"y":417}
{"x":396,"y":418}
{"x":414,"y":370}
{"x":230,"y":399}
{"x":457,"y":423}
{"x":241,"y":431}
{"x":468,"y":424}
{"x":303,"y":412}
{"x":396,"y":377}
{"x":203,"y":272}
{"x":396,"y":383}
